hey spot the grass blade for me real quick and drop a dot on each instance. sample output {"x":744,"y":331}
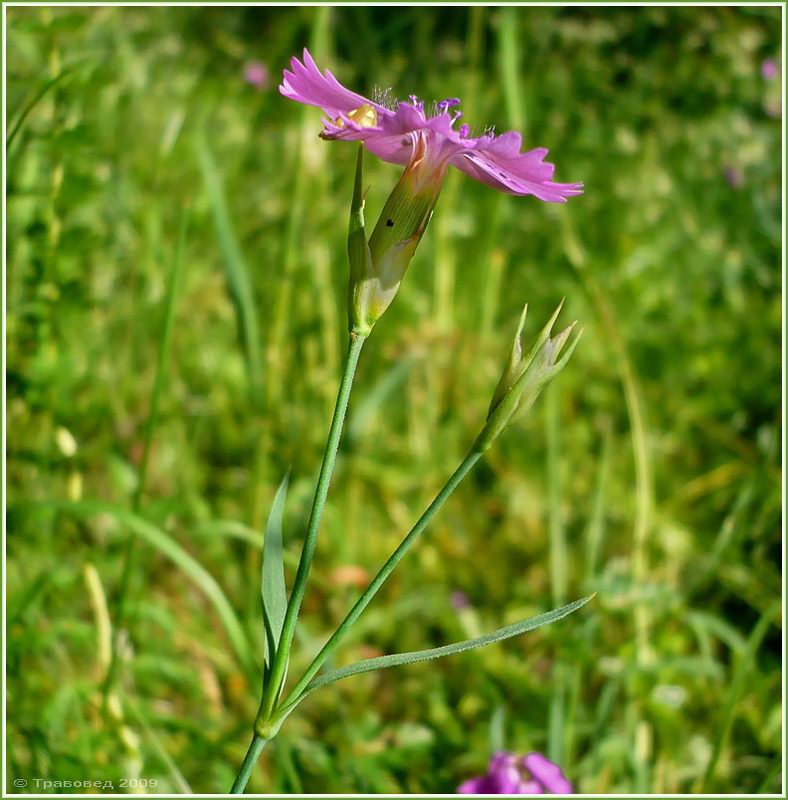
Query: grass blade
{"x":159,"y":748}
{"x":236,"y":270}
{"x":165,"y":544}
{"x":129,"y":560}
{"x":173,"y":289}
{"x":740,"y":675}
{"x":37,"y":98}
{"x":368,"y":405}
{"x":509,"y":63}
{"x":273,"y":573}
{"x":558,"y":568}
{"x":595,"y":529}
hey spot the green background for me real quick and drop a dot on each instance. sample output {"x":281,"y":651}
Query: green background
{"x":649,"y":473}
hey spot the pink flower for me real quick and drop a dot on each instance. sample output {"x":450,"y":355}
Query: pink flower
{"x":770,"y":69}
{"x":507,"y":774}
{"x":404,"y":133}
{"x":256,"y":74}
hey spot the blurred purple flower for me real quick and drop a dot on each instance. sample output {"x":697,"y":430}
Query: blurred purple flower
{"x":404,"y":133}
{"x":770,"y":69}
{"x":734,"y":177}
{"x":459,"y":600}
{"x":508,"y":774}
{"x":256,"y":74}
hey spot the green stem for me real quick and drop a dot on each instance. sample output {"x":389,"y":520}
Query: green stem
{"x":150,"y":427}
{"x":380,"y":578}
{"x":307,"y":553}
{"x":250,"y":759}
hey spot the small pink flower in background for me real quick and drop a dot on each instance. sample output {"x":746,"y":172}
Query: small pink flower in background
{"x":770,"y":69}
{"x":405,"y":133}
{"x":734,"y":177}
{"x":459,"y":600}
{"x":508,"y":774}
{"x":256,"y":74}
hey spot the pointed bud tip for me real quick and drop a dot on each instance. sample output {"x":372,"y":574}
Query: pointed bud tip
{"x":568,"y":329}
{"x":549,"y":326}
{"x":521,"y":323}
{"x":561,"y":363}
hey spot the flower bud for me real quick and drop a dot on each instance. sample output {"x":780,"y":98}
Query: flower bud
{"x":377,"y":267}
{"x":523,"y":378}
{"x":360,"y":285}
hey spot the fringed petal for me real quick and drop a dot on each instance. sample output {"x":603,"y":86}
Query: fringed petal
{"x":305,"y":83}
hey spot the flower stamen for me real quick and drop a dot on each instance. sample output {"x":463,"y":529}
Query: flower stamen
{"x":449,"y":102}
{"x":385,"y":98}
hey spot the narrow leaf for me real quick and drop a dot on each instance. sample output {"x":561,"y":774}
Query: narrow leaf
{"x":401,"y":659}
{"x":159,"y":747}
{"x":37,"y":97}
{"x":165,"y":544}
{"x":273,"y":573}
{"x":237,"y":272}
{"x":741,"y":673}
{"x":365,"y":407}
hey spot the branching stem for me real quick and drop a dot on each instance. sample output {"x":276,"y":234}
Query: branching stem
{"x":386,"y":570}
{"x":279,"y":665}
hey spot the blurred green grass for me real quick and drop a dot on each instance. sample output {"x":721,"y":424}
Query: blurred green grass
{"x":650,"y":474}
